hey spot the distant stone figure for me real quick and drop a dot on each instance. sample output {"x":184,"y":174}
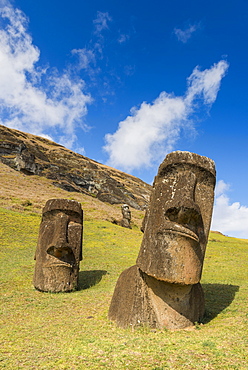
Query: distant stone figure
{"x":126,"y":213}
{"x":162,"y":290}
{"x":59,"y":249}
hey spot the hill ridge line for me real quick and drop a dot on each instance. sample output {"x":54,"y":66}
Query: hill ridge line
{"x":73,"y":172}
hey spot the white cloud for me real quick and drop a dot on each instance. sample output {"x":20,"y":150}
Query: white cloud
{"x":86,"y":57}
{"x":123,"y":38}
{"x":80,"y":150}
{"x":139,"y":137}
{"x":34,"y":99}
{"x":221,"y":187}
{"x":185,"y":35}
{"x":152,"y":130}
{"x":206,"y":84}
{"x":101,"y":22}
{"x":229,"y":218}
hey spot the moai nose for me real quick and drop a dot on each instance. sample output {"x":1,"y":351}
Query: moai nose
{"x":182,"y":208}
{"x":186,"y":187}
{"x":61,"y":230}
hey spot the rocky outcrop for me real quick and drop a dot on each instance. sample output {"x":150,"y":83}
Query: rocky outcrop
{"x":34,"y":155}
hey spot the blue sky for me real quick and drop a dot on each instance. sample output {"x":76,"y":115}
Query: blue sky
{"x":125,"y":83}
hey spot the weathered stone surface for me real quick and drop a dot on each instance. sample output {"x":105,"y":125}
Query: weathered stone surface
{"x":141,"y":300}
{"x":178,"y":219}
{"x":59,"y":249}
{"x":126,"y":213}
{"x":25,"y":161}
{"x":163,"y":289}
{"x":70,"y":171}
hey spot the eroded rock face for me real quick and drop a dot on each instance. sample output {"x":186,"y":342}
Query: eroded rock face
{"x":126,"y":214}
{"x":163,"y":289}
{"x":59,"y":249}
{"x":70,"y":171}
{"x":25,"y":161}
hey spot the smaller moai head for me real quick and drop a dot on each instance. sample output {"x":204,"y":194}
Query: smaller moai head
{"x":59,"y":249}
{"x":178,"y":219}
{"x":126,"y":213}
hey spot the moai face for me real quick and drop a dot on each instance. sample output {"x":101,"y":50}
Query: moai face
{"x":59,"y":248}
{"x":126,"y":213}
{"x":178,"y":219}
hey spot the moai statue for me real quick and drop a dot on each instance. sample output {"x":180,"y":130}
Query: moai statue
{"x":163,"y":289}
{"x":126,"y":213}
{"x":59,"y":249}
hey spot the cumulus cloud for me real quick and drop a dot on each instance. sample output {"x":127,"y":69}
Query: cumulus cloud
{"x":142,"y":134}
{"x":31,"y":98}
{"x":152,"y":130}
{"x":229,"y":218}
{"x":221,"y":188}
{"x":185,"y":35}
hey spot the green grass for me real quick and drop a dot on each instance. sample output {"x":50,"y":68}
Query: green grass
{"x":71,"y":330}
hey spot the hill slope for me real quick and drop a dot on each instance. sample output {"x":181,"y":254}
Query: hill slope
{"x":71,"y":330}
{"x":22,"y":193}
{"x":34,"y":155}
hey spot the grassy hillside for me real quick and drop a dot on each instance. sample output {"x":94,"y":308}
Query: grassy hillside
{"x":71,"y":330}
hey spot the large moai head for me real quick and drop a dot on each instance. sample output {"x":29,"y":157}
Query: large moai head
{"x":178,"y":219}
{"x":59,"y":249}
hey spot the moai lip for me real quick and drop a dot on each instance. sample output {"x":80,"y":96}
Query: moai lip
{"x":59,"y":248}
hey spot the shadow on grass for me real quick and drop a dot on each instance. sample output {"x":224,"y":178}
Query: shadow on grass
{"x":217,"y":298}
{"x":88,"y":279}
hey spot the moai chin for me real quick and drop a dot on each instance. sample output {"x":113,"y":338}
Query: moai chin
{"x":126,"y":213}
{"x":59,"y":248}
{"x":163,"y":289}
